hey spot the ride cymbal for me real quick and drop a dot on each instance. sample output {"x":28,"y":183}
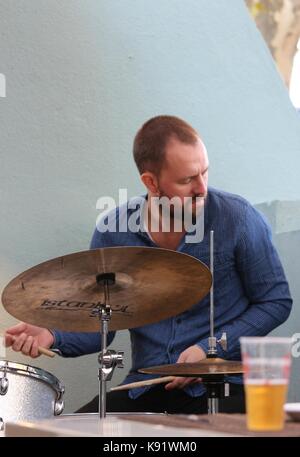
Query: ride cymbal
{"x":151,"y":284}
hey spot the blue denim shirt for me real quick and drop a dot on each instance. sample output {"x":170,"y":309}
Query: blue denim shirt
{"x":251,"y":292}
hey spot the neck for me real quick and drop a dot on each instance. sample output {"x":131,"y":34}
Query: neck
{"x":163,"y":219}
{"x":166,"y":232}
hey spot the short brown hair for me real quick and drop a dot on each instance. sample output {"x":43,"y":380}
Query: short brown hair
{"x":150,"y":143}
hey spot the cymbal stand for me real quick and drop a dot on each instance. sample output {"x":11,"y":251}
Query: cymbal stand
{"x":215,"y":386}
{"x":212,"y":340}
{"x":108,"y":359}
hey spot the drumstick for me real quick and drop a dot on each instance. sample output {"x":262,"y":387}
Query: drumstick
{"x":46,"y":351}
{"x":148,"y":382}
{"x":41,"y":350}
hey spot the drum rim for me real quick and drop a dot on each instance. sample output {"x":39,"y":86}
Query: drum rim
{"x":34,"y":372}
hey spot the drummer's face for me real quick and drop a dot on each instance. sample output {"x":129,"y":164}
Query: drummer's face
{"x":185,"y":172}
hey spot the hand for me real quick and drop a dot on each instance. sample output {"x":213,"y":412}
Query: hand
{"x":27,"y":338}
{"x":190,"y":355}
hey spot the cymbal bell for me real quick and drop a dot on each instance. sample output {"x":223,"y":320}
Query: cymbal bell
{"x":212,"y":366}
{"x":151,"y":284}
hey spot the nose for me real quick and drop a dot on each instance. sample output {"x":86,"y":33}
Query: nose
{"x":200,"y":186}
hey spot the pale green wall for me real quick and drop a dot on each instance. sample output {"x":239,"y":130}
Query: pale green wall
{"x":81,"y":77}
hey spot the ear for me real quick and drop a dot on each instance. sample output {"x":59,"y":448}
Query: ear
{"x":150,"y":181}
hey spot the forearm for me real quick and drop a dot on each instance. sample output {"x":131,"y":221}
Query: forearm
{"x":74,"y":344}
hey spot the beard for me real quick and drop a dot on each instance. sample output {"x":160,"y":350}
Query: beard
{"x":192,"y":207}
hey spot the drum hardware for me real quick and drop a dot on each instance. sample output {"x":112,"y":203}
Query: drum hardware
{"x":139,"y":285}
{"x":212,"y":371}
{"x":223,"y":341}
{"x":4,"y":383}
{"x":215,"y":386}
{"x":212,"y":340}
{"x":59,"y":402}
{"x":108,"y":359}
{"x":59,"y":405}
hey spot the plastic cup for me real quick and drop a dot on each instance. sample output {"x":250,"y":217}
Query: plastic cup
{"x":266,"y":363}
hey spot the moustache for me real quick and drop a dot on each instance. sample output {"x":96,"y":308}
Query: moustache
{"x":195,"y":197}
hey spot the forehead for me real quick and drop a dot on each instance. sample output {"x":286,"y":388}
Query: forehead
{"x":182,"y":156}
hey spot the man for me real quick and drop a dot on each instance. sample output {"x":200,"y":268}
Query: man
{"x":251,"y":292}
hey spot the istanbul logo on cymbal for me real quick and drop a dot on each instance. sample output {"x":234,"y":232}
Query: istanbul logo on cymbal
{"x":65,"y":305}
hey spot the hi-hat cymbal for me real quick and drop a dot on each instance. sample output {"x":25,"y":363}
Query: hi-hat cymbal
{"x":205,"y":367}
{"x":151,"y":284}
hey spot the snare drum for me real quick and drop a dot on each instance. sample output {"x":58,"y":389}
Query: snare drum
{"x":28,"y":392}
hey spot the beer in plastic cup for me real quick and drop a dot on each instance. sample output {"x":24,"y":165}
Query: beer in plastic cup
{"x":266,"y":363}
